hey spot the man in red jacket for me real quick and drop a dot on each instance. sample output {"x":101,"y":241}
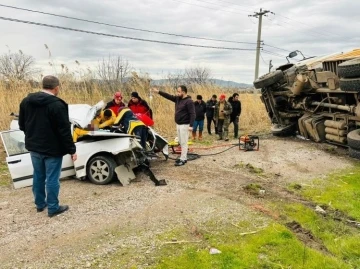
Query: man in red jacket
{"x":116,"y":103}
{"x":138,"y":105}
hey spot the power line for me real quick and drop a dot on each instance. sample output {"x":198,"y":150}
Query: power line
{"x":264,"y":44}
{"x":235,"y":4}
{"x":118,"y":36}
{"x":273,"y":53}
{"x":330,"y":34}
{"x":262,"y":58}
{"x":221,"y":5}
{"x":207,"y":7}
{"x":297,"y":24}
{"x":124,"y":27}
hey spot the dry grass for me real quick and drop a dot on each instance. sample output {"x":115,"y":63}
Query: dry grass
{"x":253,"y":117}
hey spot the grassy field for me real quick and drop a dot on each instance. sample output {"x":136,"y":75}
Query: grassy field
{"x":253,"y":117}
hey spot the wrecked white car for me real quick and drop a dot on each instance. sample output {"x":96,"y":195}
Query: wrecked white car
{"x":102,"y":155}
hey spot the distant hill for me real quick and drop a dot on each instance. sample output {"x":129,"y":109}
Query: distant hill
{"x":231,"y":84}
{"x":219,"y":82}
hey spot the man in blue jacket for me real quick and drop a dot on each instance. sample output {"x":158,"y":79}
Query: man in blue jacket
{"x":44,"y":119}
{"x":184,"y":118}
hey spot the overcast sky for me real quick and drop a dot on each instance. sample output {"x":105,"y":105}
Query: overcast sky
{"x":313,"y":27}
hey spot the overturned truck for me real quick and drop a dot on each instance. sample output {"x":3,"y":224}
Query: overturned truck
{"x":317,"y":98}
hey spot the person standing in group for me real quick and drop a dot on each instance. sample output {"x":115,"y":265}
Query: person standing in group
{"x":210,"y":108}
{"x":116,"y":103}
{"x":222,"y":114}
{"x":200,"y":110}
{"x":138,"y":105}
{"x":235,"y":114}
{"x":184,"y":118}
{"x":44,"y":119}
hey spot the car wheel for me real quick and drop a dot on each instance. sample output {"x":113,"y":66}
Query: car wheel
{"x":350,"y":84}
{"x":354,"y":153}
{"x":268,"y":79}
{"x":353,"y":139}
{"x":101,"y":169}
{"x":283,"y":130}
{"x":350,"y":69}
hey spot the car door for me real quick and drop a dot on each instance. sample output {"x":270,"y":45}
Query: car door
{"x":19,"y":161}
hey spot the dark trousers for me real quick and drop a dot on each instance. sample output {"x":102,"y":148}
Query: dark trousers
{"x":236,"y":126}
{"x":209,"y":120}
{"x":142,"y":132}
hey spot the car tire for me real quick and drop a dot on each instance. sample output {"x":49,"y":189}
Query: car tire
{"x":350,"y":69}
{"x":284,"y":131}
{"x":353,"y":139}
{"x":354,"y":153}
{"x":350,"y":84}
{"x":101,"y":169}
{"x":268,"y":79}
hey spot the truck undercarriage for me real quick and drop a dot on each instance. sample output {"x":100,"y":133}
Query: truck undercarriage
{"x":317,"y":98}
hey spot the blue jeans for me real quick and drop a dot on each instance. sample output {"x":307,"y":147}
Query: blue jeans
{"x":199,"y":123}
{"x":47,"y":171}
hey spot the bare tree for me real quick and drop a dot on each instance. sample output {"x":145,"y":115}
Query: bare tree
{"x":112,"y":71}
{"x":175,"y":79}
{"x":17,"y":66}
{"x":198,"y":75}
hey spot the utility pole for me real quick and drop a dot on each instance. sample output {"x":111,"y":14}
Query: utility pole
{"x":258,"y":15}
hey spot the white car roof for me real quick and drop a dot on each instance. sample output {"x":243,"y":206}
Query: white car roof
{"x":83,"y":114}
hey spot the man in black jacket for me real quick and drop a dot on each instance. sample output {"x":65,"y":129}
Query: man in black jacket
{"x":235,"y":114}
{"x":210,"y":108}
{"x":44,"y":119}
{"x":200,"y":109}
{"x":184,"y":118}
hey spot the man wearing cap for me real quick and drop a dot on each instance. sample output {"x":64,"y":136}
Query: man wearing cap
{"x":200,"y":109}
{"x":44,"y":119}
{"x":116,"y":103}
{"x":139,"y":106}
{"x":184,"y":118}
{"x":222,"y":114}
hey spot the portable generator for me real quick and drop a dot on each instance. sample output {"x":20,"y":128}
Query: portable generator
{"x":249,"y":142}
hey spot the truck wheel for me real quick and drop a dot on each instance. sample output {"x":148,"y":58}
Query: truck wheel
{"x":353,"y":139}
{"x":268,"y":79}
{"x":283,"y":130}
{"x":354,"y":153}
{"x":101,"y":169}
{"x":350,"y":84}
{"x":350,"y":69}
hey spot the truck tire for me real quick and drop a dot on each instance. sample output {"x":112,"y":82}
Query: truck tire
{"x":354,"y":153}
{"x":350,"y":84}
{"x":353,"y":139}
{"x":101,"y":169}
{"x":350,"y":69}
{"x":283,"y":131}
{"x":268,"y":79}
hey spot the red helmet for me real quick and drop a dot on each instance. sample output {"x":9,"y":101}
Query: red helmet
{"x":118,"y":95}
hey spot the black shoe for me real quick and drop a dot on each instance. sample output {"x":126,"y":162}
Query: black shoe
{"x":226,"y":139}
{"x":178,"y":160}
{"x":40,"y":209}
{"x":61,"y":209}
{"x":180,"y":163}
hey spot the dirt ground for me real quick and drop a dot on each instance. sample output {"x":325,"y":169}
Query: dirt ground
{"x":104,"y":220}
